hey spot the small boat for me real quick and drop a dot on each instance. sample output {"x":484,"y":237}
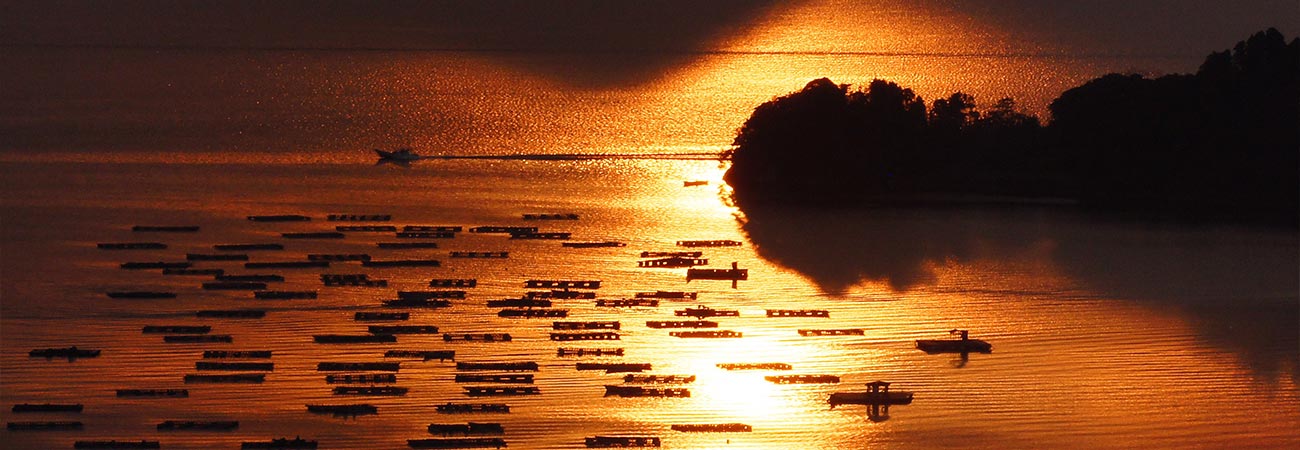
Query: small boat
{"x":398,"y":155}
{"x":533,"y":313}
{"x":140,"y":294}
{"x":702,"y":311}
{"x":402,"y":263}
{"x":555,"y":216}
{"x":562,"y":284}
{"x":561,"y":295}
{"x":621,"y":441}
{"x":481,"y":337}
{"x":225,"y":378}
{"x":798,"y":313}
{"x":709,"y":243}
{"x":218,"y":354}
{"x":832,"y":332}
{"x":44,"y":426}
{"x":528,"y":366}
{"x":673,"y":262}
{"x":359,"y":217}
{"x":365,"y":228}
{"x":713,"y":428}
{"x":453,"y":282}
{"x":671,"y":254}
{"x":457,"y":443}
{"x":371,"y":390}
{"x":877,"y":394}
{"x":247,"y":247}
{"x":503,"y":230}
{"x":465,"y":428}
{"x":131,"y":246}
{"x":486,"y":391}
{"x":402,"y":329}
{"x":234,"y":366}
{"x":659,"y":379}
{"x":353,"y":338}
{"x":216,"y":257}
{"x":963,"y":345}
{"x":486,"y":255}
{"x":426,"y":295}
{"x":177,"y":329}
{"x":754,"y":366}
{"x":614,"y":367}
{"x":555,"y":235}
{"x":232,"y":313}
{"x":280,"y":218}
{"x":605,"y":336}
{"x":208,"y":425}
{"x":406,"y":245}
{"x":234,"y":286}
{"x":681,"y":324}
{"x":588,"y":351}
{"x":380,"y":316}
{"x":361,"y":378}
{"x":706,"y":334}
{"x":671,"y":295}
{"x":472,"y":408}
{"x":198,"y":339}
{"x":629,"y":303}
{"x":638,"y":391}
{"x":438,"y":228}
{"x":146,"y":265}
{"x":165,"y":229}
{"x":116,"y":444}
{"x":519,"y":303}
{"x":314,"y":235}
{"x":153,"y":392}
{"x":70,"y":353}
{"x":338,"y":257}
{"x":280,"y":444}
{"x":495,"y":378}
{"x":598,"y":325}
{"x":358,"y":366}
{"x":47,"y":407}
{"x":592,"y":244}
{"x":354,"y":409}
{"x":695,"y":183}
{"x":802,"y":379}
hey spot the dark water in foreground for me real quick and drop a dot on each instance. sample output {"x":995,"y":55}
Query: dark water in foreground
{"x":1105,"y":334}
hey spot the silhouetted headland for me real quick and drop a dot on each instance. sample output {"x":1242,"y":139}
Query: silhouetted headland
{"x":1221,"y":143}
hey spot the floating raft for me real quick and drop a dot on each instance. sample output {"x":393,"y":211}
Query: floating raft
{"x":472,"y":408}
{"x":466,"y":428}
{"x":287,"y":265}
{"x":154,"y":265}
{"x":596,"y":244}
{"x":519,"y":303}
{"x":153,"y":392}
{"x":614,"y":367}
{"x":552,"y":216}
{"x":638,"y":391}
{"x":259,"y":278}
{"x":754,"y":366}
{"x":402,"y":263}
{"x":140,"y":294}
{"x":480,"y":254}
{"x":226,"y":378}
{"x":44,"y":426}
{"x":562,"y":284}
{"x":247,"y":247}
{"x":595,"y":325}
{"x":280,"y":218}
{"x":354,"y":409}
{"x":456,"y":443}
{"x":709,"y":243}
{"x":376,"y":316}
{"x":361,"y":378}
{"x":713,"y":428}
{"x":674,"y":295}
{"x":453,"y":282}
{"x":407,"y":245}
{"x":131,"y":246}
{"x":358,"y":366}
{"x":216,"y":257}
{"x":629,"y":303}
{"x":198,"y":339}
{"x":279,"y":444}
{"x":214,"y":425}
{"x":440,"y":355}
{"x":338,"y":257}
{"x":328,"y":278}
{"x":533,"y":313}
{"x":621,"y":441}
{"x":402,"y":329}
{"x":116,"y":444}
{"x":47,"y":407}
{"x":235,"y":366}
{"x":234,"y":286}
{"x":359,"y":217}
{"x":371,"y":390}
{"x":314,"y":235}
{"x":353,"y":338}
{"x":426,"y":295}
{"x":832,"y":332}
{"x":717,"y":274}
{"x":479,"y":337}
{"x":425,"y":234}
{"x":500,"y":229}
{"x":695,"y":183}
{"x":674,"y":261}
{"x":178,"y":329}
{"x":529,"y":366}
{"x":605,"y":336}
{"x":487,"y":391}
{"x":232,"y":313}
{"x":69,"y":353}
{"x":588,"y":352}
{"x":681,"y":324}
{"x":416,"y":303}
{"x":802,"y":379}
{"x":562,"y":295}
{"x":705,"y":311}
{"x":706,"y":334}
{"x":165,"y":229}
{"x":556,"y":235}
{"x":285,"y":295}
{"x":497,"y":378}
{"x":195,"y":272}
{"x":439,"y":228}
{"x":365,"y":228}
{"x":869,"y":398}
{"x":355,"y":283}
{"x":798,"y":313}
{"x":671,"y":254}
{"x":659,"y":379}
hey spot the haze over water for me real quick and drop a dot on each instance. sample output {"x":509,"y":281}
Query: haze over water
{"x":1105,"y":333}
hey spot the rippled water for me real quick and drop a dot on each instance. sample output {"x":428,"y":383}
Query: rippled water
{"x":1104,"y":334}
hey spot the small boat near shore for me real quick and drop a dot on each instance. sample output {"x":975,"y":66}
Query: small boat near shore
{"x":962,"y":345}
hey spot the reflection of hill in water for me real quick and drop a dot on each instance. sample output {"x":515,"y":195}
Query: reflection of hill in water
{"x":1238,"y":286}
